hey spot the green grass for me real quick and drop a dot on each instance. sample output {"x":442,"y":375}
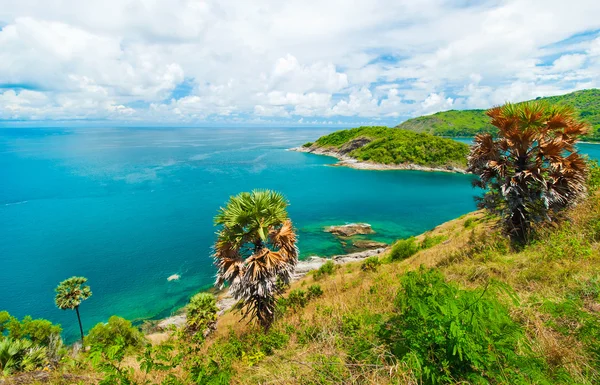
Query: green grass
{"x":471,"y":122}
{"x":393,"y":146}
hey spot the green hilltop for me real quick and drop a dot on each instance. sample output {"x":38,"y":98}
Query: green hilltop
{"x":384,"y":145}
{"x":471,"y":122}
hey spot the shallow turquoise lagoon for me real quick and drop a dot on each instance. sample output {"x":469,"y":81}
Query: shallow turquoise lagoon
{"x":128,"y":207}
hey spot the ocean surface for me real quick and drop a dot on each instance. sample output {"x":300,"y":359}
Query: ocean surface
{"x":129,"y":207}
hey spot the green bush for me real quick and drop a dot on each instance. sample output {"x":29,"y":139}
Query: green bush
{"x":593,"y":182}
{"x":326,"y":269}
{"x":469,"y":223}
{"x":403,"y":249}
{"x":201,"y":312}
{"x":118,"y":331}
{"x":370,"y":264}
{"x":299,"y":298}
{"x":39,"y":331}
{"x":430,"y":241}
{"x":308,"y":144}
{"x":448,"y":335}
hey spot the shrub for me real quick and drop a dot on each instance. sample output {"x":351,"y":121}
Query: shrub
{"x":314,"y":291}
{"x":469,"y":223}
{"x":429,"y":241}
{"x":39,"y":331}
{"x":201,"y":312}
{"x":308,"y":144}
{"x":370,"y":264}
{"x":403,"y":249}
{"x":449,"y":335}
{"x":326,"y":269}
{"x":299,"y":298}
{"x":118,"y":331}
{"x":593,"y":179}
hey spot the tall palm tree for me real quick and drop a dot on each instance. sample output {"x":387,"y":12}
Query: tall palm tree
{"x":69,"y":295}
{"x":256,"y":245}
{"x":532,"y":170}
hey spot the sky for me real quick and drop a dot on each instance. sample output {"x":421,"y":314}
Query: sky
{"x":292,"y":62}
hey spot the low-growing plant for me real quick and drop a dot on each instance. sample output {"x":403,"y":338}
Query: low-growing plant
{"x":39,"y":331}
{"x":449,"y":335}
{"x":201,"y":314}
{"x":308,"y":144}
{"x":430,"y":241}
{"x":21,"y":355}
{"x":469,"y":223}
{"x":299,"y":298}
{"x":403,"y":249}
{"x":326,"y":269}
{"x":116,"y":332}
{"x":370,"y":264}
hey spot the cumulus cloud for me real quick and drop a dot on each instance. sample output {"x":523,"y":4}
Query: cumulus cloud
{"x":237,"y":61}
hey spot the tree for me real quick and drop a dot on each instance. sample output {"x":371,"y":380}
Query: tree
{"x":532,"y":171}
{"x":255,"y":246}
{"x":69,"y":295}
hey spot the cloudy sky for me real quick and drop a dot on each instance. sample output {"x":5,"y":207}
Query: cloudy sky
{"x":287,"y":62}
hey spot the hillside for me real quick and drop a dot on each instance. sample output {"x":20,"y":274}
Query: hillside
{"x":527,"y":316}
{"x":384,"y":147}
{"x":471,"y":122}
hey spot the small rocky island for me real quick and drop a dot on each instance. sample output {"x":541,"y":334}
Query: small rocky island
{"x":384,"y":148}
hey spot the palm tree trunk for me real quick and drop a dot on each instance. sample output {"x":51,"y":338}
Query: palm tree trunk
{"x":80,"y":327}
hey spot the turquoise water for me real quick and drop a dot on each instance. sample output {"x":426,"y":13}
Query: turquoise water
{"x":128,"y":207}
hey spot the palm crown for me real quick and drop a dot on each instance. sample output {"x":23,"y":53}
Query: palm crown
{"x":255,"y":246}
{"x":71,"y":292}
{"x":532,"y":170}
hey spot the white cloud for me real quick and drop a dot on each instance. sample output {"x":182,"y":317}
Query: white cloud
{"x":108,"y":59}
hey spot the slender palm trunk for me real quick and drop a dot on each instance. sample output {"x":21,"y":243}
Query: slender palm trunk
{"x":80,"y":327}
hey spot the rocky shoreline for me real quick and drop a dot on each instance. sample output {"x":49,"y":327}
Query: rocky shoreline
{"x":226,"y":302}
{"x":347,"y":161}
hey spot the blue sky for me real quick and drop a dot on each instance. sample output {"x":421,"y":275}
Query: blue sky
{"x":310,"y":62}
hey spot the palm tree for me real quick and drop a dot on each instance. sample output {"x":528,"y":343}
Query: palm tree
{"x":532,"y":171}
{"x":69,"y":295}
{"x":256,"y":246}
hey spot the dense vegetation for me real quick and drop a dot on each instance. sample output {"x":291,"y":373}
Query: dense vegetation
{"x":392,"y":146}
{"x":468,"y":123}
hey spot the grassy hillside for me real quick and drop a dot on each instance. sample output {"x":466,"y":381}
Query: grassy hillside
{"x":455,"y":305}
{"x":471,"y":122}
{"x":392,"y":146}
{"x":550,"y":292}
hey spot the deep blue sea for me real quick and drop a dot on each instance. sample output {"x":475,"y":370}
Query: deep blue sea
{"x":128,"y":207}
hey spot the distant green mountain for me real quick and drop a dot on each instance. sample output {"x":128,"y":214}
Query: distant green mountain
{"x":472,"y":122}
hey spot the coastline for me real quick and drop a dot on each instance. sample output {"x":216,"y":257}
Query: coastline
{"x":225,"y":301}
{"x":346,"y":161}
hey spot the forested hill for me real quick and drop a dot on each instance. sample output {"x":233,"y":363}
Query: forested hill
{"x":471,"y":122}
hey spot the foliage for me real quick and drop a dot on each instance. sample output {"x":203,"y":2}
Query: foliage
{"x":39,"y":331}
{"x":325,"y":269}
{"x":393,"y":146}
{"x":370,"y":264}
{"x":449,"y":335}
{"x":18,"y":355}
{"x":116,"y":332}
{"x":4,"y":318}
{"x":403,"y":249}
{"x":468,"y":123}
{"x":593,"y":181}
{"x":532,"y":171}
{"x":256,"y":246}
{"x":299,"y":298}
{"x":201,"y":313}
{"x":71,"y":292}
{"x":429,"y":241}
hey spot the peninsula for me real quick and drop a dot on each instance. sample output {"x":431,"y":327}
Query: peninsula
{"x":384,"y":148}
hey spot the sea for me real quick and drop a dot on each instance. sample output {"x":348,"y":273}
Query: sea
{"x":130,"y":207}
